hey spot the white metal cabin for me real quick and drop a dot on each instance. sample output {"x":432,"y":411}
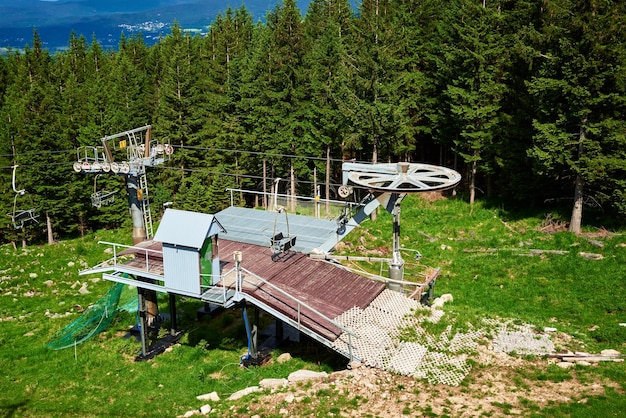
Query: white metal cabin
{"x":191,"y":261}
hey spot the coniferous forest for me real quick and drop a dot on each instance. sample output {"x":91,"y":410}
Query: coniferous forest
{"x":525,"y":98}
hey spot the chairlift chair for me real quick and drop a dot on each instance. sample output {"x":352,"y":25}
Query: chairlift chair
{"x":279,"y":242}
{"x":21,"y":217}
{"x":103,"y":197}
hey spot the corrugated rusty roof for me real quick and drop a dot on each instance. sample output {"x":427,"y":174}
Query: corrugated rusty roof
{"x":327,"y":288}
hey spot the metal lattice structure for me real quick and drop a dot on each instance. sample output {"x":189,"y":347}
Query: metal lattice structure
{"x":126,"y":153}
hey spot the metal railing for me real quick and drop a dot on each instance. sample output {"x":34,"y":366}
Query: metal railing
{"x":240,"y":278}
{"x":145,"y":251}
{"x":311,"y":206}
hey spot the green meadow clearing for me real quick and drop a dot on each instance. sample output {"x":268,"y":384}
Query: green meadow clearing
{"x":495,"y":264}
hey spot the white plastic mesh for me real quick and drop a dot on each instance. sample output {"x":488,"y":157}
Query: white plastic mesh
{"x":439,"y":359}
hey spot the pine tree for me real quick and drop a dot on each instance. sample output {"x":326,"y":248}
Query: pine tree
{"x":579,"y":90}
{"x":478,"y":56}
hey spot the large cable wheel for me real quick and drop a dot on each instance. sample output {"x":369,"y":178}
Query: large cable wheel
{"x":401,"y":177}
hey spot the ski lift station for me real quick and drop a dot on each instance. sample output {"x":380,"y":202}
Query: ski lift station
{"x":283,"y":264}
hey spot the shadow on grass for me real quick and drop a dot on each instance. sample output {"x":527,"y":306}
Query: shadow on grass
{"x":8,"y":410}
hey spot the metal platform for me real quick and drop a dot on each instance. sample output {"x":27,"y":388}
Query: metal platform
{"x":218,"y":295}
{"x":254,"y":226}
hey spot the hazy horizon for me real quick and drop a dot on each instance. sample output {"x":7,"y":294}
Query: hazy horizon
{"x":55,"y":20}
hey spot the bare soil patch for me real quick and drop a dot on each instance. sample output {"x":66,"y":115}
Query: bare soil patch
{"x":495,"y":387}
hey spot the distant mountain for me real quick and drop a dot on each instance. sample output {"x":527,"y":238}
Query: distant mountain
{"x":107,"y":19}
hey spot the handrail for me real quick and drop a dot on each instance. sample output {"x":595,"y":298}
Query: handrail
{"x":239,"y":286}
{"x":115,"y":245}
{"x":221,"y":276}
{"x":303,"y":198}
{"x":375,"y":277}
{"x":299,"y":302}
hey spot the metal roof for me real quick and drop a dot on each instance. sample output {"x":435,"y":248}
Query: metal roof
{"x":253,"y":226}
{"x":187,"y":229}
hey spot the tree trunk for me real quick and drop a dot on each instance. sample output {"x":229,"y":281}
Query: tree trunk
{"x":577,"y":211}
{"x":49,"y":228}
{"x":472,"y":185}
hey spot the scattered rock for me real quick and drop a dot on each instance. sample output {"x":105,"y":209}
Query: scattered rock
{"x":591,"y":256}
{"x":70,"y":264}
{"x":441,"y":300}
{"x":565,"y":365}
{"x":290,"y":398}
{"x":108,"y":250}
{"x":283,"y":358}
{"x":273,"y":384}
{"x":205,"y":409}
{"x":33,"y":275}
{"x":283,"y":411}
{"x":243,"y":392}
{"x":213,"y":396}
{"x":48,"y":283}
{"x":610,"y":353}
{"x":583,"y":363}
{"x":549,"y":329}
{"x":354,"y":365}
{"x":83,"y":289}
{"x":303,"y":375}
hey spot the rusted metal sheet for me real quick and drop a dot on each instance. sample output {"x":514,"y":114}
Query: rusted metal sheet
{"x":329,"y":289}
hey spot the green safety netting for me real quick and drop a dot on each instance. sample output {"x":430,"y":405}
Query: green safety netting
{"x":95,"y":319}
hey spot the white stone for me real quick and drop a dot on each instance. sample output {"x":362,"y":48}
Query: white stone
{"x":33,"y":275}
{"x":441,"y":300}
{"x":205,"y":409}
{"x":70,"y":264}
{"x":354,"y":365}
{"x":273,"y":384}
{"x":290,"y":398}
{"x":283,"y":411}
{"x":583,"y":363}
{"x":302,"y":375}
{"x":83,"y":289}
{"x":283,"y":358}
{"x":549,"y":329}
{"x":213,"y":396}
{"x":243,"y":392}
{"x":610,"y":353}
{"x":565,"y":365}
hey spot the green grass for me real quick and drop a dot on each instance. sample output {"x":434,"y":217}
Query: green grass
{"x":485,"y":264}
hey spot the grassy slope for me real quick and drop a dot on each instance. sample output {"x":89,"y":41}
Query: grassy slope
{"x":564,"y":291}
